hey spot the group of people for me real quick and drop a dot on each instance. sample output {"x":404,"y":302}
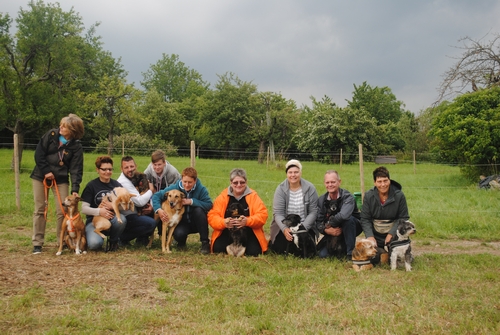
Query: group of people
{"x":333,"y":215}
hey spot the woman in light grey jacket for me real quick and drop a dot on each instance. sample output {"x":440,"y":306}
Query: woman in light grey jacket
{"x":294,"y":195}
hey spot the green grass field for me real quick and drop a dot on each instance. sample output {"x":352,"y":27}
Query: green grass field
{"x":139,"y":291}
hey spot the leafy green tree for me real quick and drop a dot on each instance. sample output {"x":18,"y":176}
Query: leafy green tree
{"x":160,"y":120}
{"x":273,"y":124}
{"x":224,"y":122}
{"x":174,"y":80}
{"x":42,"y":66}
{"x":379,"y":102}
{"x":328,"y":128}
{"x":110,"y":105}
{"x":467,"y":131}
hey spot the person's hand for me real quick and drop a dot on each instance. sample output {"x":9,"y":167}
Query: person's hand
{"x":333,"y":231}
{"x":288,"y":234}
{"x":106,"y":213}
{"x":372,"y":239}
{"x":49,"y":176}
{"x":187,"y":202}
{"x":75,"y":194}
{"x":243,"y":221}
{"x":388,"y":238}
{"x":147,"y":209}
{"x":151,"y":187}
{"x":163,"y":215}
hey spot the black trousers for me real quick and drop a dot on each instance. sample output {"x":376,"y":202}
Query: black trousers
{"x":192,"y":222}
{"x":251,"y":242}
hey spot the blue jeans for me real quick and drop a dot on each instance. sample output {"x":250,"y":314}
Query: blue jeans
{"x":138,"y":226}
{"x":95,"y":242}
{"x":350,"y":229}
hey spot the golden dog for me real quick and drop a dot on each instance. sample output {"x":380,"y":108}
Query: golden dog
{"x":119,"y":198}
{"x":174,"y":208}
{"x":364,"y":251}
{"x":73,"y":228}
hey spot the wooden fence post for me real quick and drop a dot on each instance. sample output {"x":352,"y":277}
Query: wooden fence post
{"x":16,"y":172}
{"x":361,"y":172}
{"x":193,"y":154}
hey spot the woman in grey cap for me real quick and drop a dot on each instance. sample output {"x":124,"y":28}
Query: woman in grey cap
{"x":294,"y":195}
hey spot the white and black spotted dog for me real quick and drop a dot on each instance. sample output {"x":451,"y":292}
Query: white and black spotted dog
{"x":302,"y":240}
{"x":400,"y":245}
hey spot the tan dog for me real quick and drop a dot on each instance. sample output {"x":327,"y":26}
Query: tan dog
{"x":174,"y":208}
{"x":364,"y":251}
{"x":73,"y":228}
{"x":119,"y":198}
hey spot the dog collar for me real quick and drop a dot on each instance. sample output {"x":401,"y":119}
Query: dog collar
{"x":361,"y":262}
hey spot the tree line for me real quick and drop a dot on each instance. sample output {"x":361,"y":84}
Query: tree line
{"x":52,"y":66}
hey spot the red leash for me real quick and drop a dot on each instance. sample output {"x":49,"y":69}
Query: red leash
{"x":47,"y":188}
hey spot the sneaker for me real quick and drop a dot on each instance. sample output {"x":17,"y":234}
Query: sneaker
{"x":37,"y":250}
{"x":205,"y":248}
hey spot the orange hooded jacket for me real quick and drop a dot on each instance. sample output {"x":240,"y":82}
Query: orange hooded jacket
{"x":256,"y":220}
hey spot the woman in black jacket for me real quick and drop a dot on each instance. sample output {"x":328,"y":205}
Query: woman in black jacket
{"x":58,"y":155}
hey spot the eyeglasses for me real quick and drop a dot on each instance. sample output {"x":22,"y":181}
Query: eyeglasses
{"x":239,"y":182}
{"x":106,"y":169}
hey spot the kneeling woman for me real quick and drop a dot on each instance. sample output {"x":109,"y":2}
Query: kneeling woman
{"x":253,"y":216}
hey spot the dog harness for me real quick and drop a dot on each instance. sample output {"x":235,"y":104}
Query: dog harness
{"x":399,"y":243}
{"x":361,"y":262}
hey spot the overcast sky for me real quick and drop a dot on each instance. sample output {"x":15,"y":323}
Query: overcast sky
{"x":296,"y":47}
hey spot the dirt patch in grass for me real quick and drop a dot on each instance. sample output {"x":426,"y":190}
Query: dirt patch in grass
{"x":131,"y":274}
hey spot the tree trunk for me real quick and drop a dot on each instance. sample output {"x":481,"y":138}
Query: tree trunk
{"x":262,"y":153}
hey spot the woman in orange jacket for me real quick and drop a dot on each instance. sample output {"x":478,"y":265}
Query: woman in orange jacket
{"x":250,"y":216}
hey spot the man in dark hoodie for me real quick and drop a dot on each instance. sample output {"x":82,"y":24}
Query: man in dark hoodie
{"x":382,"y":206}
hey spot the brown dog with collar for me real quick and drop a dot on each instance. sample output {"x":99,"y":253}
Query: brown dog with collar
{"x":362,"y":254}
{"x":119,"y":197}
{"x":73,"y":228}
{"x":172,"y":205}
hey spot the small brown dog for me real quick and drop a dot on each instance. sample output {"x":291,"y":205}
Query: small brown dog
{"x":140,"y":182}
{"x":174,"y":208}
{"x":73,"y":228}
{"x":119,"y":198}
{"x":364,"y":251}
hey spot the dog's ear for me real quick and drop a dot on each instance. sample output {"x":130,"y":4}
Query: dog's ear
{"x":165,"y":196}
{"x":183,"y":196}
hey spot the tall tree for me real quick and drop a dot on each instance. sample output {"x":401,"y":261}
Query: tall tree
{"x":111,"y":104}
{"x":379,"y":102}
{"x":273,"y":124}
{"x":477,"y":67}
{"x":224,"y":121}
{"x":328,"y":128}
{"x":467,"y":131}
{"x":174,"y":80}
{"x":42,"y":65}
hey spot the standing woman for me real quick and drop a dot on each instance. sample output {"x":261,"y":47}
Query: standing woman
{"x":294,"y":195}
{"x":251,"y":221}
{"x":58,"y":155}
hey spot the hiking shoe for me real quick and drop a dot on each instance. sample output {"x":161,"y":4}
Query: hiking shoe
{"x":205,"y":248}
{"x":37,"y":250}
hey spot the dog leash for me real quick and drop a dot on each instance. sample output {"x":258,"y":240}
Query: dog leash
{"x":47,"y":188}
